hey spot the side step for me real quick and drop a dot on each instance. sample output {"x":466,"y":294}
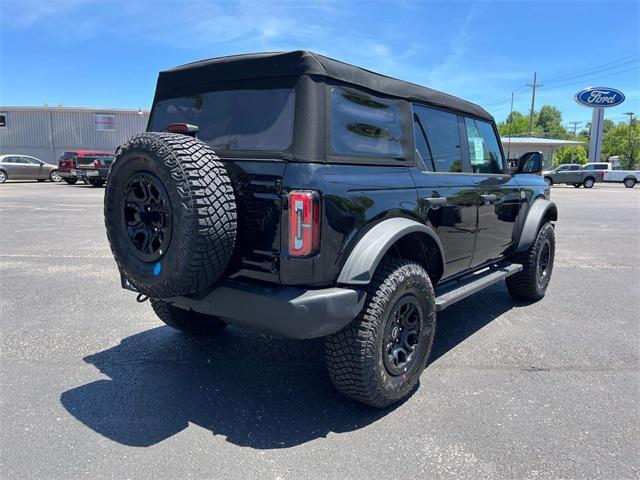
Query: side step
{"x":470,"y":284}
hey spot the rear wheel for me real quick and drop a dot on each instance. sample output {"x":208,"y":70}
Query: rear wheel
{"x":589,"y":182}
{"x":97,"y":183}
{"x":187,"y":321}
{"x":55,"y":176}
{"x":378,"y":358}
{"x":629,"y":182}
{"x":71,"y":181}
{"x":531,"y":283}
{"x":577,"y":185}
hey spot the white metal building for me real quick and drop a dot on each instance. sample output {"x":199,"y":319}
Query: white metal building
{"x":47,"y":132}
{"x":516,"y":146}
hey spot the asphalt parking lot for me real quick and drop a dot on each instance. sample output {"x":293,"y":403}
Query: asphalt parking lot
{"x":94,"y":386}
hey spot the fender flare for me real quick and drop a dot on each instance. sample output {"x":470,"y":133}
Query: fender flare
{"x":368,"y":252}
{"x":535,"y":215}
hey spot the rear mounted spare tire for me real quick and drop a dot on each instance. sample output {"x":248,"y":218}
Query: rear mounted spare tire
{"x":170,"y":214}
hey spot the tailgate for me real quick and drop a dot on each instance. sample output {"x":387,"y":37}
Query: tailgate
{"x":89,"y":161}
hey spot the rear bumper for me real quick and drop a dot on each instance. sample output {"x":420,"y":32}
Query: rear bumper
{"x":66,"y":174}
{"x":94,"y":173}
{"x":284,"y":311}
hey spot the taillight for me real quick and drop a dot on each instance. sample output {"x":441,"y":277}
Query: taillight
{"x":304,"y":223}
{"x":96,"y":164}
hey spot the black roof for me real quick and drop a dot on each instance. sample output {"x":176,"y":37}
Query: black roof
{"x":299,"y":62}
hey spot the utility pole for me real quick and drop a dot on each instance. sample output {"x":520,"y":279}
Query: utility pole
{"x":575,"y":128}
{"x":534,"y":85}
{"x":631,"y":114}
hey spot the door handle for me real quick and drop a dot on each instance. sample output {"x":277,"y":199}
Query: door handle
{"x":488,"y":198}
{"x":436,"y":201}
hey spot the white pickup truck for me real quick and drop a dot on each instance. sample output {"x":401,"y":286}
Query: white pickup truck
{"x":628,"y":177}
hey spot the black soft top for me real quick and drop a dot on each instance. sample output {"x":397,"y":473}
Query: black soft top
{"x":298,"y":63}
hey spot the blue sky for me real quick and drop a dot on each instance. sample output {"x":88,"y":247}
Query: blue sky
{"x":108,"y":53}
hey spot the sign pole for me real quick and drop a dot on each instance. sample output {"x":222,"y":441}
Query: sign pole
{"x":595,"y":143}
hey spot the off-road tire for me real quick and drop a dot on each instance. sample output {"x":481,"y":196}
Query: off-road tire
{"x":525,"y":285}
{"x":71,"y":181}
{"x":96,"y":183}
{"x":201,"y":205}
{"x":589,"y":182}
{"x":354,"y":355}
{"x":193,"y":323}
{"x":629,"y":182}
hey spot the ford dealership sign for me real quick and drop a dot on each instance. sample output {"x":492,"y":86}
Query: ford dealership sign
{"x":598,"y":97}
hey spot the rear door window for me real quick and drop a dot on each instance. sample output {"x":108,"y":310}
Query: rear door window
{"x":443,"y":137}
{"x":233,"y":119}
{"x":365,"y":125}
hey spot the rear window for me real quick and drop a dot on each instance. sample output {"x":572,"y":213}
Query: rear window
{"x":68,"y":156}
{"x":364,"y":124}
{"x":233,"y":119}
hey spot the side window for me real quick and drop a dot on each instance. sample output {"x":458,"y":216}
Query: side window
{"x":574,"y":167}
{"x":564,"y":168}
{"x":363,"y":124}
{"x":423,"y":153}
{"x":443,"y":137}
{"x":484,"y":151}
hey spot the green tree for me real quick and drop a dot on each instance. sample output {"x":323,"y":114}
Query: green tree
{"x":616,"y":142}
{"x":549,"y":120}
{"x":571,"y":154}
{"x":516,"y":124}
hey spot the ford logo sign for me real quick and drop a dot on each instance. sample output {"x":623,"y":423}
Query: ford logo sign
{"x":599,"y":97}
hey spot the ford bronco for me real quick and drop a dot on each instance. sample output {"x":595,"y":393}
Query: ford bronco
{"x":300,"y":196}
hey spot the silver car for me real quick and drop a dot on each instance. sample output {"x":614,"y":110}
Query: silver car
{"x":23,"y":167}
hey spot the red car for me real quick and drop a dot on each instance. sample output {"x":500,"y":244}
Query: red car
{"x":74,"y":164}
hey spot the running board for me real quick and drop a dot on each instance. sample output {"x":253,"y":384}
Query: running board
{"x":470,"y":284}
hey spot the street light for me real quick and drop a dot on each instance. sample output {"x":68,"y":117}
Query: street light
{"x":631,"y":114}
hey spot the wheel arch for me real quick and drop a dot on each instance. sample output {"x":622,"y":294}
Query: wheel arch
{"x":407,"y":238}
{"x":541,"y":211}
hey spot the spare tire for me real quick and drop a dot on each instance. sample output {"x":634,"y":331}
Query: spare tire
{"x":170,"y":214}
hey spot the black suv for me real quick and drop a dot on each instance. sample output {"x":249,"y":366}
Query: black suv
{"x":301,"y":196}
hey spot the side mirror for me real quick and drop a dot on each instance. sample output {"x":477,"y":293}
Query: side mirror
{"x":530,"y":162}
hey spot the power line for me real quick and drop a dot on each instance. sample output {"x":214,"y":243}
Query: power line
{"x":625,"y":60}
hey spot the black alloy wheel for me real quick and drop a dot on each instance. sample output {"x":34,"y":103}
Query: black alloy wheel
{"x":402,"y":334}
{"x":147,"y":216}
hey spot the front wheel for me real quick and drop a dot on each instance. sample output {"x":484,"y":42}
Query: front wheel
{"x":378,"y":358}
{"x":3,"y":176}
{"x":531,"y":283}
{"x":588,"y":182}
{"x":629,"y":182}
{"x":190,"y":322}
{"x":55,"y":176}
{"x":549,"y":180}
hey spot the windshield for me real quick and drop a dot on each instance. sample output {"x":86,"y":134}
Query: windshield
{"x":233,"y":119}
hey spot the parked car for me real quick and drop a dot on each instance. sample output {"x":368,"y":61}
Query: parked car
{"x":320,"y":199}
{"x":94,"y":167}
{"x":627,"y":177}
{"x":70,"y":171}
{"x":24,"y":167}
{"x":573,"y":174}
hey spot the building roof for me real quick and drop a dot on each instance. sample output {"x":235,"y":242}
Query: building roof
{"x":539,"y":141}
{"x":256,"y":66}
{"x":10,"y":108}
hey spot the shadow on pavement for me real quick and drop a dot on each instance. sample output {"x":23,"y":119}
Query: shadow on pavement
{"x":257,"y":391}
